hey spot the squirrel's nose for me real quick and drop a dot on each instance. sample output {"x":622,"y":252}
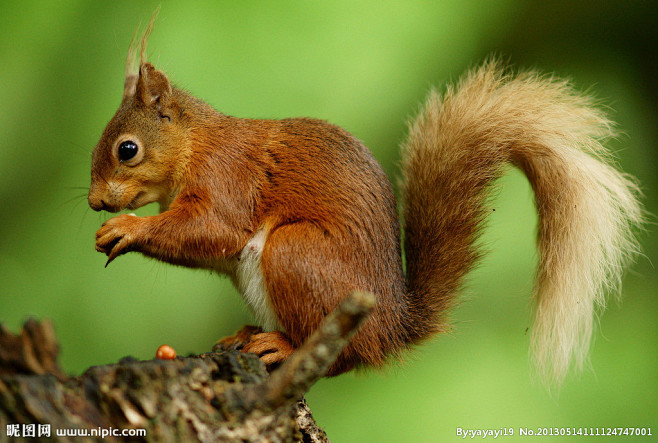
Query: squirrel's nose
{"x":97,"y":205}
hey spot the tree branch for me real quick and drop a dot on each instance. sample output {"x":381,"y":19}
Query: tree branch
{"x":223,"y":396}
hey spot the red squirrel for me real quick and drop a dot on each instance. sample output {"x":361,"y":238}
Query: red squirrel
{"x":298,"y":213}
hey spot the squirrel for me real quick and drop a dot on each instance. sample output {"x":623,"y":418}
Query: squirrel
{"x":298,"y":213}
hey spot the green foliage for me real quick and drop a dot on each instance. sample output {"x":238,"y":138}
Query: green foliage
{"x":365,"y":66}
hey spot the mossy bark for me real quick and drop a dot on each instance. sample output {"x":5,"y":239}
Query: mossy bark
{"x":218,"y":396}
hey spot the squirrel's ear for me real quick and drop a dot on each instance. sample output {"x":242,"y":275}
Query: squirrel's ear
{"x":152,"y":86}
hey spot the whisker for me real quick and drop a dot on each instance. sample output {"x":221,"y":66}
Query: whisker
{"x":79,"y":146}
{"x":75,"y":197}
{"x":86,"y":188}
{"x":78,"y":204}
{"x":82,"y":219}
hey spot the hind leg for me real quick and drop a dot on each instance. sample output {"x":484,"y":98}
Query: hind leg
{"x":308,"y":272}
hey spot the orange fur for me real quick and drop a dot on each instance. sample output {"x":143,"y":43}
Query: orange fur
{"x":459,"y":145}
{"x":298,"y":213}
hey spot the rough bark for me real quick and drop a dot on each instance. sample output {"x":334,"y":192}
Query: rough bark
{"x":218,"y":396}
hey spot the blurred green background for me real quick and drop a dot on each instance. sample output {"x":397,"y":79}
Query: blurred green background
{"x":365,"y":66}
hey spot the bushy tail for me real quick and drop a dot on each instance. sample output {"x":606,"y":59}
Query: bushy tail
{"x":459,"y":144}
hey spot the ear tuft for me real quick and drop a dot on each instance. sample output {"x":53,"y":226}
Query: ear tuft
{"x":132,"y":75}
{"x":145,"y":37}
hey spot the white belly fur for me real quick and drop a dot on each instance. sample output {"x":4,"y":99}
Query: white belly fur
{"x":248,"y":278}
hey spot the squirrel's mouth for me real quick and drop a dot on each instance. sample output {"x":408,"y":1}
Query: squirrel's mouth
{"x":135,"y":202}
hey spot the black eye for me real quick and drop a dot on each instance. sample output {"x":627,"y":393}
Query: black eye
{"x":127,"y":150}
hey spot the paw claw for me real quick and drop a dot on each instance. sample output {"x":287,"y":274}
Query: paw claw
{"x":118,"y":235}
{"x":273,"y":348}
{"x":238,"y":340}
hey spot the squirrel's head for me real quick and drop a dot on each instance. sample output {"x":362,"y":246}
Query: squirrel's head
{"x":135,"y":160}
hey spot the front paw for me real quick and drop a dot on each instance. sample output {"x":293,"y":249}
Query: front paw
{"x":119,"y":235}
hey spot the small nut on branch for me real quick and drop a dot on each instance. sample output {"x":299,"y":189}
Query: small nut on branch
{"x":165,"y":352}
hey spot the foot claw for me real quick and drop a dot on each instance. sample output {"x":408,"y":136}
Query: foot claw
{"x":273,"y":348}
{"x":238,"y":340}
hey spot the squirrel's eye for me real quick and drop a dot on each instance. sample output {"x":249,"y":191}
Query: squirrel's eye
{"x":127,"y":150}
